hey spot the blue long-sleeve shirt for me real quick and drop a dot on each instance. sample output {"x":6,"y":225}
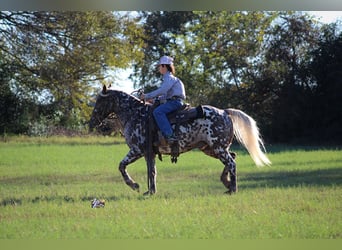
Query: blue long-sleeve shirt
{"x":171,"y":86}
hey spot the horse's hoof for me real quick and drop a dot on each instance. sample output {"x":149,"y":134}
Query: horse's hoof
{"x":135,"y":187}
{"x":148,"y":193}
{"x":230,"y":192}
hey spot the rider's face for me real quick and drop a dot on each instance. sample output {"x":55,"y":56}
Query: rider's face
{"x":162,"y":69}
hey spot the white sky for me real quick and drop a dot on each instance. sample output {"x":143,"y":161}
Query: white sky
{"x":327,"y":16}
{"x":124,"y":84}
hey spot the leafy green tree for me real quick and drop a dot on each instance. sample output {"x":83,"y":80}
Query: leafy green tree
{"x":286,"y":57}
{"x":58,"y":56}
{"x":218,"y":51}
{"x":160,"y":29}
{"x":15,"y":111}
{"x":212,"y":50}
{"x":326,"y":69}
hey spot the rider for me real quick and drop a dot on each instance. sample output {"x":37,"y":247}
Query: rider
{"x":173,"y":90}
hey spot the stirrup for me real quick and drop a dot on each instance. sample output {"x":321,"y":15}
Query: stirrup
{"x":171,"y":140}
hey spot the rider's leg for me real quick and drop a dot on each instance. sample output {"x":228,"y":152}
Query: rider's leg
{"x":161,"y":119}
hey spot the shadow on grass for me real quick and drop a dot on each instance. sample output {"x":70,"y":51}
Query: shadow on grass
{"x":12,"y":201}
{"x":59,"y":180}
{"x":246,"y":180}
{"x":293,"y":178}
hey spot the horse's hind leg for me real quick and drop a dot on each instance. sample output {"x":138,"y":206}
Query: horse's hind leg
{"x":228,"y":176}
{"x":229,"y":179}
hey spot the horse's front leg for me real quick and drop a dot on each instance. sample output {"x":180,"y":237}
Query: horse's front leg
{"x":151,"y":174}
{"x":131,"y":156}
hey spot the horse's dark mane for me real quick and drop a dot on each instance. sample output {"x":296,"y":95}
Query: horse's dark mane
{"x":134,"y":100}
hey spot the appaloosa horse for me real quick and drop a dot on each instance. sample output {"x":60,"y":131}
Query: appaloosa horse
{"x":212,"y":134}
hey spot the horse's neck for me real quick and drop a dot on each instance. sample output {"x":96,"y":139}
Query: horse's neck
{"x":131,"y":110}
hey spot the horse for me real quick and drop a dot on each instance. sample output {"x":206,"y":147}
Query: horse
{"x":212,"y":134}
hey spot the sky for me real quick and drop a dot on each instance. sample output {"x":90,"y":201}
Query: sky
{"x":124,"y":84}
{"x":327,"y":16}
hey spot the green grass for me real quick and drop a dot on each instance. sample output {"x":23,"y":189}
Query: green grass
{"x":46,"y":185}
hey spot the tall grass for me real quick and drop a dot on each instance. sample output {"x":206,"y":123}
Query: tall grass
{"x":46,"y":188}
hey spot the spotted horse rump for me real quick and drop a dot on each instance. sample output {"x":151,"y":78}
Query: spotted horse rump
{"x":212,"y":133}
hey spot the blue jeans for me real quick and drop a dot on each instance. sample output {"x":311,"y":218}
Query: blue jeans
{"x":160,"y":115}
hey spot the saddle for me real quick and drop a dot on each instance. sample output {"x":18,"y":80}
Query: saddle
{"x":183,"y":115}
{"x":186,"y":114}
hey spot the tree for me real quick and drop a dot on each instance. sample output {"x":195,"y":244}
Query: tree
{"x":326,"y":69}
{"x":286,"y":57}
{"x":160,"y":29}
{"x":58,"y":56}
{"x":10,"y":106}
{"x":212,"y":50}
{"x":217,"y":52}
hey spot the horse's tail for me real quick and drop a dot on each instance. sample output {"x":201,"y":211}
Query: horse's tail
{"x":247,"y":133}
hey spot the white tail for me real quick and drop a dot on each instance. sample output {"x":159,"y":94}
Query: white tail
{"x":247,"y":133}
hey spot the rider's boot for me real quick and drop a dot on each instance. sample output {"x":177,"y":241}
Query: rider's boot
{"x":171,"y":139}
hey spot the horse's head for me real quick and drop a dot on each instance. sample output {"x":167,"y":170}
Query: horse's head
{"x":106,"y":103}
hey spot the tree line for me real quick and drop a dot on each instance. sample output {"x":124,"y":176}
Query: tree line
{"x":282,"y":68}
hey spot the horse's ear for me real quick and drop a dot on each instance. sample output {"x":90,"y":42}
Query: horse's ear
{"x":104,"y":89}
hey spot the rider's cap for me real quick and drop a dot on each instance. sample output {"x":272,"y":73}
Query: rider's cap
{"x":165,"y":60}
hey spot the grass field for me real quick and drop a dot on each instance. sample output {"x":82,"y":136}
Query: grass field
{"x":46,"y":186}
